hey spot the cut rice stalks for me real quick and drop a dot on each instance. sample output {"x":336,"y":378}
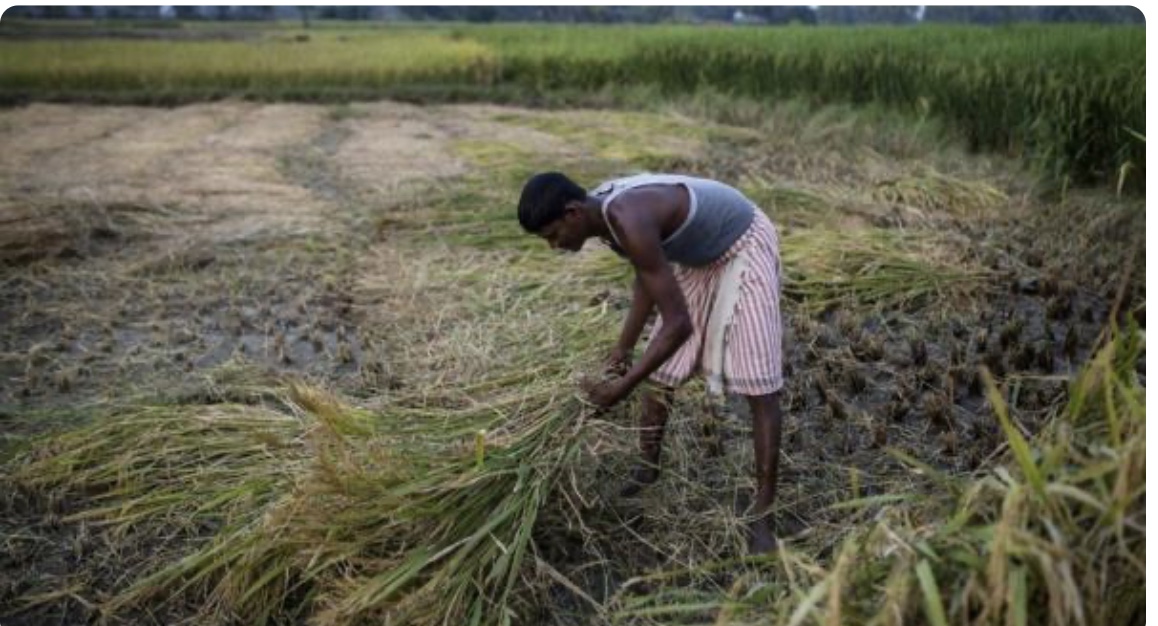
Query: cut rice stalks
{"x":1053,"y":534}
{"x":418,"y":514}
{"x":873,"y":267}
{"x":940,"y":192}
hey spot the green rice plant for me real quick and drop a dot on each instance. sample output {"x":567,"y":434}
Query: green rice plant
{"x":260,"y":68}
{"x":1062,"y":96}
{"x":1066,"y":97}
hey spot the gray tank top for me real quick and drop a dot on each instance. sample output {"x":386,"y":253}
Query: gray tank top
{"x":717,"y":216}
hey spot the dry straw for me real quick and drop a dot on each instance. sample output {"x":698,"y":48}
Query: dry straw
{"x":422,"y":513}
{"x":1053,"y":533}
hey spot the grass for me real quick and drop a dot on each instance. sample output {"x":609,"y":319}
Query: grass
{"x":1067,"y":98}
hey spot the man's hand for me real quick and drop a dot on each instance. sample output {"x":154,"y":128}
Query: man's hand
{"x":604,"y":393}
{"x":618,"y":362}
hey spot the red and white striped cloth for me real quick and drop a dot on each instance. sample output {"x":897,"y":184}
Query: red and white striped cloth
{"x":734,"y":304}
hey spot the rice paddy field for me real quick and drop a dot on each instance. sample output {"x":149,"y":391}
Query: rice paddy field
{"x":278,"y":352}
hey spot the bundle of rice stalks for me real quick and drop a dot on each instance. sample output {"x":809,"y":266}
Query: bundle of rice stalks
{"x":424,"y":513}
{"x":873,"y":267}
{"x":932,"y":190}
{"x":1053,"y":533}
{"x":790,"y":206}
{"x":189,"y":467}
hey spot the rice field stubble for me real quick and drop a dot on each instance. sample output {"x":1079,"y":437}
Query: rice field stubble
{"x":192,"y":277}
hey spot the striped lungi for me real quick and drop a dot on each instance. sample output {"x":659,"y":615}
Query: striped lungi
{"x":734,"y":303}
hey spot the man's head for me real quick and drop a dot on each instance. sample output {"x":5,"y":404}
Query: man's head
{"x":551,"y":207}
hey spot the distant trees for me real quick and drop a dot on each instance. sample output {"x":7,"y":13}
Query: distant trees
{"x":343,"y":13}
{"x":185,"y":12}
{"x":587,"y":14}
{"x":983,"y":14}
{"x":1004,"y":14}
{"x":481,"y":13}
{"x":783,"y":14}
{"x":867,"y":14}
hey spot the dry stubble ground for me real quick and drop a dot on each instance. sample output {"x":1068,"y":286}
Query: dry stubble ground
{"x":197,"y":254}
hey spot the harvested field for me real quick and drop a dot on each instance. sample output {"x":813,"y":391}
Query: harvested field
{"x":298,"y":363}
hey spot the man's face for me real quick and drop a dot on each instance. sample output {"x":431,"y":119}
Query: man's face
{"x":564,"y":233}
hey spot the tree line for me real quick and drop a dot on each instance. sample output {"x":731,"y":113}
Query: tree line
{"x":604,"y":14}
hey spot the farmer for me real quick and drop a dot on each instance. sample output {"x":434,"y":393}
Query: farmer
{"x":708,"y":260}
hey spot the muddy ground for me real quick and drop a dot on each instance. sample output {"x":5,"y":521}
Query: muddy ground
{"x":200,"y":254}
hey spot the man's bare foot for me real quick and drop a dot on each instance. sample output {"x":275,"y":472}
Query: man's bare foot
{"x":641,"y":476}
{"x":762,"y":541}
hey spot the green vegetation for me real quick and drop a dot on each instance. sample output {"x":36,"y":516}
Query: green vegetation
{"x":300,"y":364}
{"x":272,"y":67}
{"x":1070,"y":98}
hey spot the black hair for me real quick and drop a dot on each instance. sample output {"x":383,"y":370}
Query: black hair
{"x":544,"y":199}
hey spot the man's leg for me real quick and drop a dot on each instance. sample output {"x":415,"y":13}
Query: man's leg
{"x":656,"y":401}
{"x":766,"y":438}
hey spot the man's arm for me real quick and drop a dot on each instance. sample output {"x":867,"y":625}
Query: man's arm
{"x":641,"y":307}
{"x":639,"y":236}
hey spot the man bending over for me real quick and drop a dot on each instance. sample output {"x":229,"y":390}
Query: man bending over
{"x":707,"y":258}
